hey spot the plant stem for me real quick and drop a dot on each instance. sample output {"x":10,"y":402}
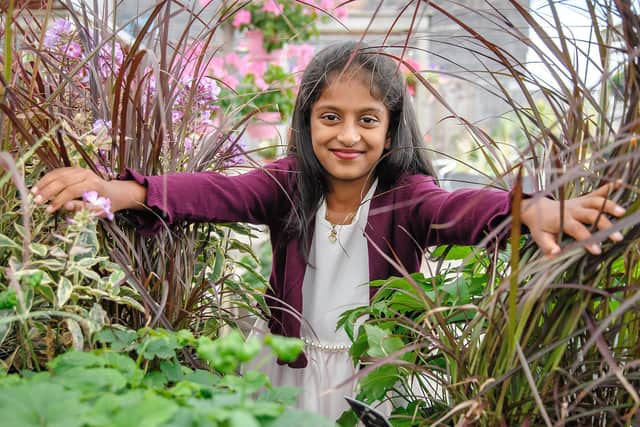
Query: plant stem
{"x":8,"y":36}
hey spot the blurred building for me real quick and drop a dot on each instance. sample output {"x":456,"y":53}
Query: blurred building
{"x":455,"y":63}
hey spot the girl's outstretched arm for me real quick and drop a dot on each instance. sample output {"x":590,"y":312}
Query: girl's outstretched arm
{"x":64,"y":187}
{"x":542,"y":216}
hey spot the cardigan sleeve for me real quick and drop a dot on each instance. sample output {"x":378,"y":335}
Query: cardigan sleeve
{"x":254,"y":197}
{"x":462,"y":217}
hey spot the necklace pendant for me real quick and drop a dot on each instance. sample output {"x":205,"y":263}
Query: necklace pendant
{"x":333,"y":234}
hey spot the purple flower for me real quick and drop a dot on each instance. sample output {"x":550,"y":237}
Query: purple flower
{"x":176,"y":115}
{"x":110,"y":59}
{"x":101,"y":126}
{"x":60,"y":30}
{"x":102,"y":205}
{"x":188,"y":143}
{"x":73,"y":50}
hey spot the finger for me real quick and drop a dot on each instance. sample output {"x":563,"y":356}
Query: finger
{"x":69,"y":193}
{"x":51,"y":191}
{"x":74,"y":205}
{"x":55,"y":181}
{"x":49,"y":177}
{"x":547,"y":243}
{"x":604,"y":223}
{"x":606,"y":189}
{"x":600,"y":203}
{"x":591,"y":217}
{"x":578,"y":231}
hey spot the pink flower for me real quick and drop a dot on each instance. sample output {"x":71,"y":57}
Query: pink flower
{"x":341,"y":12}
{"x":102,"y":205}
{"x":110,"y":59}
{"x":257,"y":68}
{"x":273,"y":7}
{"x":204,"y":3}
{"x":261,"y":84}
{"x":61,"y":29}
{"x":330,"y":6}
{"x":243,"y":17}
{"x":73,"y":50}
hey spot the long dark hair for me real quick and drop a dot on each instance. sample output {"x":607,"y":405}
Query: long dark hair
{"x":382,"y":74}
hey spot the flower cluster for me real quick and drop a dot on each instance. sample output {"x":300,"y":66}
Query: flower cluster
{"x":257,"y":80}
{"x":61,"y":37}
{"x":284,"y":21}
{"x":100,"y":205}
{"x":61,"y":41}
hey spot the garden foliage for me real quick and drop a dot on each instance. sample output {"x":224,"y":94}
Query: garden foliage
{"x":487,"y":335}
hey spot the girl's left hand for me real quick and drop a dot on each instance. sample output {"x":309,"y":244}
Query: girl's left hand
{"x":542,"y":216}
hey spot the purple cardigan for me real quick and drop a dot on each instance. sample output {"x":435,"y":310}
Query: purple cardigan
{"x":402,"y":221}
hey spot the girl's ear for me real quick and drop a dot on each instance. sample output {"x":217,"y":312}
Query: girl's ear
{"x":387,"y":144}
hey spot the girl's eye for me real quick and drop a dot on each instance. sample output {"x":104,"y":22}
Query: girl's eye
{"x":329,"y":116}
{"x":369,"y":120}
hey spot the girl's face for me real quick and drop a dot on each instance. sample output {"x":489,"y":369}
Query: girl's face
{"x":349,"y":131}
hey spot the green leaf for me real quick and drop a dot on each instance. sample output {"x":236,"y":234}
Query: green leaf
{"x":139,"y":409}
{"x":117,"y":339}
{"x":380,"y":343}
{"x":6,"y":242}
{"x":97,"y":317}
{"x":39,"y":249}
{"x":128,"y":301}
{"x":348,"y":419}
{"x":8,"y":299}
{"x":297,"y":418}
{"x":162,"y":347}
{"x":76,"y":334}
{"x":359,"y":346}
{"x":63,"y":291}
{"x":122,"y":362}
{"x":116,"y":278}
{"x":92,"y":380}
{"x":200,"y":376}
{"x":84,"y":272}
{"x":172,"y":370}
{"x":453,"y":252}
{"x":86,"y":263}
{"x":41,"y":404}
{"x":155,"y":379}
{"x":286,"y":395}
{"x":242,"y":419}
{"x":47,"y":292}
{"x":217,"y":265}
{"x":287,"y":349}
{"x":375,"y":385}
{"x":75,"y":359}
{"x":185,"y":337}
{"x":249,"y":382}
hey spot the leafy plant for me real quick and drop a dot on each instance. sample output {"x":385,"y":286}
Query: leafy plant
{"x":137,"y":377}
{"x":278,"y":96}
{"x":550,"y":340}
{"x":79,"y":93}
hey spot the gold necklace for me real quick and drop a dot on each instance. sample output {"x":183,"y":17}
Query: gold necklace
{"x":333,"y":233}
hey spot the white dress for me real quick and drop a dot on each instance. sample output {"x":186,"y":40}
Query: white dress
{"x":336,"y":279}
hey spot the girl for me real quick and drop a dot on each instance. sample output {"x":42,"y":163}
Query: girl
{"x":354,"y":193}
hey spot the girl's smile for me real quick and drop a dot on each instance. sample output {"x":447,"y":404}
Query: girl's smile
{"x":349,"y":130}
{"x":346,"y":154}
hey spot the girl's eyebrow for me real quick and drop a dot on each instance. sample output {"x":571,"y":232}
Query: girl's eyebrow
{"x":368,"y":109}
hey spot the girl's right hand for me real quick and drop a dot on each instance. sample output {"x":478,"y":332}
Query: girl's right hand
{"x":64,"y":187}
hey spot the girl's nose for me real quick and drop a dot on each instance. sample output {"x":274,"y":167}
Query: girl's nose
{"x":349,"y":135}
